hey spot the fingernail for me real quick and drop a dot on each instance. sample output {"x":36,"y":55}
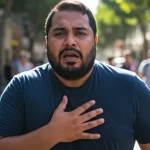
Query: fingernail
{"x":97,"y":135}
{"x":93,"y":102}
{"x":64,"y":97}
{"x":102,"y":120}
{"x":100,"y":109}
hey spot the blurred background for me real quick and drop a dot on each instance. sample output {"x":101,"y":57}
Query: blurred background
{"x":123,"y":29}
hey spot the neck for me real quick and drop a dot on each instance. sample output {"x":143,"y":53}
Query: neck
{"x":74,"y":83}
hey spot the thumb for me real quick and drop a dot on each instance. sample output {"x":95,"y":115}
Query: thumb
{"x":63,"y":104}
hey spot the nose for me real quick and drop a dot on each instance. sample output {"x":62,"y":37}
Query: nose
{"x":70,"y":41}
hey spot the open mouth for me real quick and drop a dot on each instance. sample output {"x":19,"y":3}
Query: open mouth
{"x":70,"y":54}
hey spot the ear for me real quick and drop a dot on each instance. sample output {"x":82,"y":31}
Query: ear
{"x":96,"y":38}
{"x":46,"y":40}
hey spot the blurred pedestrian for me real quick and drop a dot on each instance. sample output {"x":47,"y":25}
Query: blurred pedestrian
{"x":23,"y":64}
{"x":144,"y":69}
{"x":110,"y":61}
{"x":129,"y":64}
{"x":7,"y":71}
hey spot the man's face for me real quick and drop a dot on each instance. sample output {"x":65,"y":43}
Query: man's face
{"x":128,"y":58}
{"x":71,"y":47}
{"x":23,"y":59}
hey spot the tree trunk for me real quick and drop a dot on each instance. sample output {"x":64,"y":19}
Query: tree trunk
{"x":124,"y":32}
{"x":34,"y":34}
{"x":2,"y":35}
{"x":31,"y":46}
{"x":2,"y":24}
{"x":145,"y":42}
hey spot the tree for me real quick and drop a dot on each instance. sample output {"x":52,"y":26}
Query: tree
{"x":131,"y":12}
{"x":110,"y":25}
{"x":36,"y":12}
{"x":8,"y":5}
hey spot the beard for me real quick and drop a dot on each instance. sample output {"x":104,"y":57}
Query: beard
{"x":71,"y":72}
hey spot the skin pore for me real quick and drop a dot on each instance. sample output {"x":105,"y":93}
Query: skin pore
{"x":71,"y":47}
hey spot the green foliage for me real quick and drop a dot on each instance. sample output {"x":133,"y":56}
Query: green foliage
{"x":3,"y":3}
{"x":116,"y":17}
{"x":35,"y":10}
{"x":108,"y":17}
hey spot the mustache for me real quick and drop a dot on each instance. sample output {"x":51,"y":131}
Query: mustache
{"x":70,"y":49}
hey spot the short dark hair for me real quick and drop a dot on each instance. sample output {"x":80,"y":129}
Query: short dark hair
{"x":70,"y":6}
{"x":110,"y":58}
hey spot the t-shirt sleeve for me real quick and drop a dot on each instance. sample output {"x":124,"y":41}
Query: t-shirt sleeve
{"x":12,"y":110}
{"x":142,"y":98}
{"x":142,"y":67}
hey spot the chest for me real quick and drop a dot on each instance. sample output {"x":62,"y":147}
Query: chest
{"x":119,"y":113}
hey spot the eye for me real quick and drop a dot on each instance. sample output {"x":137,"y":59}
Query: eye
{"x":59,"y":34}
{"x":81,"y":33}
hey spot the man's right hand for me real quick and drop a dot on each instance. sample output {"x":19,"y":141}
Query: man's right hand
{"x":70,"y":126}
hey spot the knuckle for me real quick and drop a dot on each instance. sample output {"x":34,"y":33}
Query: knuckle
{"x":83,"y":136}
{"x":100,"y":121}
{"x":78,"y":135}
{"x":90,"y":124}
{"x":85,"y":106}
{"x":88,"y":136}
{"x":90,"y":115}
{"x":96,"y":123}
{"x":93,"y":136}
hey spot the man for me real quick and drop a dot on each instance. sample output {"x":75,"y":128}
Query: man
{"x":32,"y":115}
{"x":23,"y":64}
{"x":129,"y":63}
{"x":144,"y":69}
{"x":110,"y":61}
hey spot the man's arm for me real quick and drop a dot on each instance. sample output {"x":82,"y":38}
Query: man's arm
{"x":142,"y":124}
{"x":140,"y":74}
{"x":39,"y":139}
{"x":63,"y":127}
{"x":141,"y":69}
{"x":145,"y":146}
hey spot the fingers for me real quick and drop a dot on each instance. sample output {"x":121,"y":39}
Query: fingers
{"x":92,"y":124}
{"x":89,"y":136}
{"x":78,"y":111}
{"x":89,"y":125}
{"x":90,"y":115}
{"x":63,"y":104}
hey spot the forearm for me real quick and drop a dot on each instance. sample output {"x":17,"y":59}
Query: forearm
{"x":140,"y":75}
{"x":37,"y":140}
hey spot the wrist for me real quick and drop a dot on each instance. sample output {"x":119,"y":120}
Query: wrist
{"x":52,"y":134}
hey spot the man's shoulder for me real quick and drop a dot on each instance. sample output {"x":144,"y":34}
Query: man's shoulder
{"x":145,"y":63}
{"x":35,"y":74}
{"x":117,"y":77}
{"x":34,"y":79}
{"x":109,"y":70}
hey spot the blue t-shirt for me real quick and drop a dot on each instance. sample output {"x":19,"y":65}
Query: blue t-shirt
{"x":30,"y":99}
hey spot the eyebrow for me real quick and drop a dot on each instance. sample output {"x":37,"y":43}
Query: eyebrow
{"x":75,"y":28}
{"x":59,"y":29}
{"x":79,"y":28}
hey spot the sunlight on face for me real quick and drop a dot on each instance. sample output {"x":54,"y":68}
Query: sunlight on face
{"x":71,"y":47}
